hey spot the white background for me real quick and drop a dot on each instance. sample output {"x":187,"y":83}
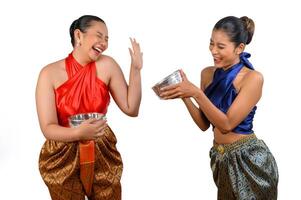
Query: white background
{"x":165,"y":155}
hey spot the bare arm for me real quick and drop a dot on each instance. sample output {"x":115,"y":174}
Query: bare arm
{"x":128,"y":97}
{"x":197,"y":115}
{"x":46,"y":108}
{"x":195,"y":112}
{"x":249,"y":95}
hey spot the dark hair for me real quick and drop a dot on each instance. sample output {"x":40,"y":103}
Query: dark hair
{"x":82,"y":23}
{"x":239,"y":30}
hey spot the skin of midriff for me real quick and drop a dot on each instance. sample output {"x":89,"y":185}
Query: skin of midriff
{"x":227,"y":138}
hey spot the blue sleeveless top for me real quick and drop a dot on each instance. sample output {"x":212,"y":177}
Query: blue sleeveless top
{"x":222,"y":93}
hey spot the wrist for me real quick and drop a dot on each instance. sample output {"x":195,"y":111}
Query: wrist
{"x":76,"y":133}
{"x":136,"y":67}
{"x":197,"y":94}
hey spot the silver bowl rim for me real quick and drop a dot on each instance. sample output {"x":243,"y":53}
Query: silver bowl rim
{"x":170,"y":76}
{"x":71,"y":118}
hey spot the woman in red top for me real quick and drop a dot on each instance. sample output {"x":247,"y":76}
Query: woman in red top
{"x":81,"y":83}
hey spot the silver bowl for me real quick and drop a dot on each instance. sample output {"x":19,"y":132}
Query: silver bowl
{"x":171,"y":79}
{"x":76,"y":120}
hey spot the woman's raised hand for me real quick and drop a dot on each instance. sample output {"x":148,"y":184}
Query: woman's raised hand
{"x":136,"y":54}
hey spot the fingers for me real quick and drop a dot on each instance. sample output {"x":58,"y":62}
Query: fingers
{"x":173,"y":96}
{"x":134,"y":42}
{"x":90,"y":121}
{"x":170,"y":87}
{"x":96,"y":124}
{"x":183,"y":75}
{"x":92,"y":128}
{"x":99,"y":134}
{"x":135,"y":46}
{"x":100,"y":122}
{"x":169,"y":93}
{"x":100,"y":130}
{"x":131,"y":52}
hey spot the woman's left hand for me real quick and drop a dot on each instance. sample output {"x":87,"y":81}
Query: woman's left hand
{"x":136,"y":54}
{"x":184,"y":89}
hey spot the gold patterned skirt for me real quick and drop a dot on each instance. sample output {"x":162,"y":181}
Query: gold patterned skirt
{"x":244,"y":170}
{"x":60,"y":169}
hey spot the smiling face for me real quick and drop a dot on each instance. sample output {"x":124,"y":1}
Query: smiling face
{"x":224,"y":52}
{"x":94,"y":41}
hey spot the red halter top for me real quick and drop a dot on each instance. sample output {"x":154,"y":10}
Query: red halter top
{"x":83,"y":92}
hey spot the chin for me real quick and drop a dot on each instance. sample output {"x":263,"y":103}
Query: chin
{"x":218,"y":65}
{"x":94,"y":57}
{"x":221,"y":65}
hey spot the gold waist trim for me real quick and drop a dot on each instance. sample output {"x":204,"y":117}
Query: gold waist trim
{"x":222,"y":148}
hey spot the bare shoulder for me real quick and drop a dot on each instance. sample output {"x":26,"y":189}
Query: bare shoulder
{"x":53,"y":67}
{"x":208,"y":72}
{"x":106,"y":61}
{"x":107,"y":68}
{"x":253,"y":77}
{"x":53,"y":71}
{"x":207,"y":76}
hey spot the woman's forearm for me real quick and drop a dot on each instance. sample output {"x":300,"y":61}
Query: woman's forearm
{"x":60,"y":133}
{"x":134,"y":92}
{"x":213,"y":114}
{"x":196,"y":114}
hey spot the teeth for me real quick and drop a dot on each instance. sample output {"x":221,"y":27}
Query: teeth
{"x":98,"y":49}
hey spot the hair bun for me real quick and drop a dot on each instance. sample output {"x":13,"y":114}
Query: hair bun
{"x":249,"y":27}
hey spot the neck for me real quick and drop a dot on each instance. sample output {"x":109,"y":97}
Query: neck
{"x":235,"y":61}
{"x":80,"y":58}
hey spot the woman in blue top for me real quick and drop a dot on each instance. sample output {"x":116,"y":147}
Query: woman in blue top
{"x":243,"y":167}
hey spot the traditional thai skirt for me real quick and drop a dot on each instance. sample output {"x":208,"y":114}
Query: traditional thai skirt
{"x":245,"y":169}
{"x":60,"y":169}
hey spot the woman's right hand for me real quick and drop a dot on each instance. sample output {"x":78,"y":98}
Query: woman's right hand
{"x":91,"y":129}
